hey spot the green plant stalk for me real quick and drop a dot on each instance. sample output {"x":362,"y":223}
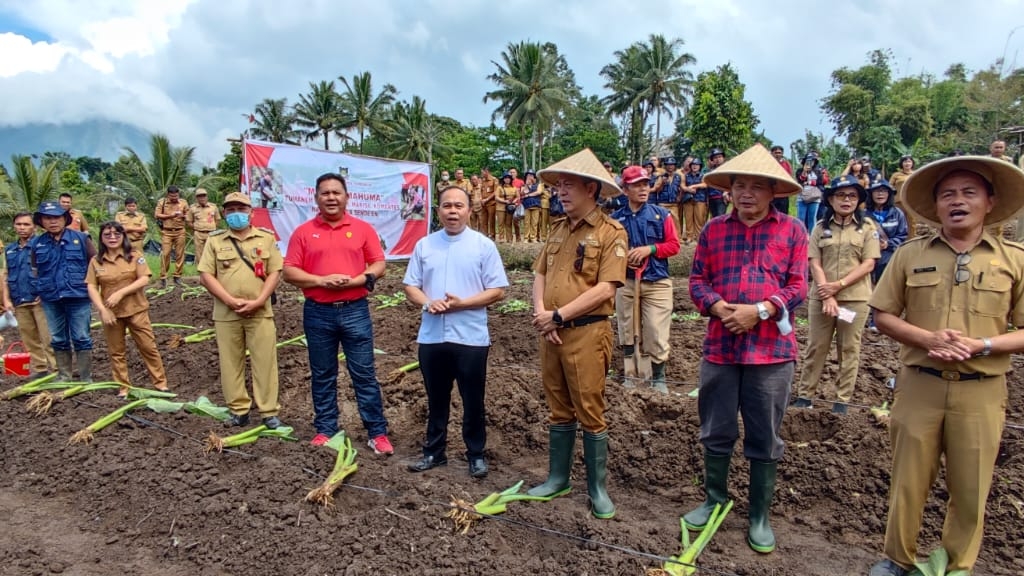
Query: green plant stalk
{"x":497,"y":502}
{"x":684,"y":563}
{"x":201,"y":336}
{"x":30,"y":387}
{"x":82,"y":388}
{"x":174,"y":326}
{"x":86,"y":434}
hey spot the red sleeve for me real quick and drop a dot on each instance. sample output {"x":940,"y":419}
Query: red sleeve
{"x":824,"y":177}
{"x":296,"y":254}
{"x":670,"y":247}
{"x":372,"y":251}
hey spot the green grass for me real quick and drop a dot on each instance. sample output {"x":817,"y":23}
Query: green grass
{"x":154,"y":266}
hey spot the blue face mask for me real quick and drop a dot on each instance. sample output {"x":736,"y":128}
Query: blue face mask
{"x":237,"y":220}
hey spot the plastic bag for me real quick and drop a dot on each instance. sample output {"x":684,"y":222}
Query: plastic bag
{"x":7,"y":320}
{"x":519,"y":213}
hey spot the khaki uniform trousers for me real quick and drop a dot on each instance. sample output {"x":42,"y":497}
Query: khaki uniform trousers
{"x":674,"y":210}
{"x":35,"y":335}
{"x":574,"y":374}
{"x":198,"y":242}
{"x":931,"y":417}
{"x":259,"y":335}
{"x":475,"y":219}
{"x":172,"y":239}
{"x":545,"y":224}
{"x":506,"y":232}
{"x":821,"y":328}
{"x":487,"y":219}
{"x":531,"y":225}
{"x":139,"y":245}
{"x":695,"y":214}
{"x":141,"y":329}
{"x":655,"y":316}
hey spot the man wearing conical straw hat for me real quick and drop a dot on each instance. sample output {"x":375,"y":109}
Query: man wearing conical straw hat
{"x":575,"y":277}
{"x":947,"y":298}
{"x":749,"y":271}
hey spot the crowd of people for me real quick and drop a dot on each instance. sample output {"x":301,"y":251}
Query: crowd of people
{"x":947,"y":296}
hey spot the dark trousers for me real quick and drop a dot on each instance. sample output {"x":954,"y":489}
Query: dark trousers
{"x":441,"y":364}
{"x":716,"y":206}
{"x":760,"y":393}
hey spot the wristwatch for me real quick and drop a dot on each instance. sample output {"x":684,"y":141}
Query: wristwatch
{"x":371,"y":281}
{"x":986,"y":348}
{"x":556,"y":317}
{"x":762,"y":311}
{"x":426,"y":306}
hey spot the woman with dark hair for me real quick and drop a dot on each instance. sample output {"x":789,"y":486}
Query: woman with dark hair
{"x":907,"y":165}
{"x":842,"y":251}
{"x":116,"y":280}
{"x":855,"y":168}
{"x":891,"y":222}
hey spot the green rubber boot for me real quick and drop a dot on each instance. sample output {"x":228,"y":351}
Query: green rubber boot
{"x":84,"y":358}
{"x":658,"y":377}
{"x":762,"y":490}
{"x":561,"y":441}
{"x":595,"y":455}
{"x":716,"y":486}
{"x":64,"y":365}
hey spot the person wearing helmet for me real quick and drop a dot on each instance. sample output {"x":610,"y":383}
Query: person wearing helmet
{"x":695,"y":212}
{"x":813,"y":178}
{"x":717,"y":198}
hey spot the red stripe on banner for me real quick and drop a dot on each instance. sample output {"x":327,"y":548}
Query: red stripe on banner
{"x":257,"y":155}
{"x":261,"y":218}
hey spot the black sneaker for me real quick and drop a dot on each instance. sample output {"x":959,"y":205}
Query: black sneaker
{"x":177,"y":281}
{"x":427,"y":462}
{"x":237,"y":420}
{"x":478,"y":467}
{"x":802,"y":403}
{"x":163,"y":283}
{"x":839,"y":408}
{"x":272,"y":422}
{"x":888,"y":568}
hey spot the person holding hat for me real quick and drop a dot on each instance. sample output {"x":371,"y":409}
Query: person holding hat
{"x":134,"y":224}
{"x":170,"y":214}
{"x":670,"y":194}
{"x":695,"y":213}
{"x":946,"y":298}
{"x":843,"y":250}
{"x":575,"y":278}
{"x":61,"y":257}
{"x":890,"y":221}
{"x":202,"y":217}
{"x":530,"y":193}
{"x":896,"y":182}
{"x":781,"y":204}
{"x":652,"y":241}
{"x":241,"y":268}
{"x":749,"y":271}
{"x":813,"y":179}
{"x":717,"y":197}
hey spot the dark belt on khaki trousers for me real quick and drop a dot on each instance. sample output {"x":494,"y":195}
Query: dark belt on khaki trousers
{"x":582,"y":321}
{"x":951,"y":375}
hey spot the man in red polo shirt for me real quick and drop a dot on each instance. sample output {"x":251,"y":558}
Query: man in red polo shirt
{"x":335,"y":259}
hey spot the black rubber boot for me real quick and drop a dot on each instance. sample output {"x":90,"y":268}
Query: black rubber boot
{"x":84,"y":365}
{"x":658,"y":377}
{"x":561,"y":442}
{"x":595,"y":455}
{"x":762,"y":491}
{"x":64,"y":363}
{"x":716,"y":487}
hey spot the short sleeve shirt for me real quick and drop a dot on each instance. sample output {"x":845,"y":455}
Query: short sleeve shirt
{"x":841,"y":250}
{"x":574,"y":260}
{"x":318,"y":248}
{"x":164,"y":207}
{"x":203,"y":218}
{"x":222,"y":260}
{"x":126,"y":219}
{"x":920,"y":283}
{"x":109,"y":273}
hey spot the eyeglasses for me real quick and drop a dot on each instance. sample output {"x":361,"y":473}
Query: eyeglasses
{"x":852,"y":196}
{"x":578,"y":263}
{"x":962,"y":273}
{"x":112,"y":234}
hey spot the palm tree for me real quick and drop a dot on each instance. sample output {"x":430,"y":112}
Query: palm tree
{"x":413,"y":134}
{"x":362,"y":109}
{"x":320,"y":112}
{"x":275,"y":122}
{"x":31,"y":185}
{"x":668,"y":84}
{"x":627,"y":98}
{"x":167,"y":165}
{"x":531,"y":94}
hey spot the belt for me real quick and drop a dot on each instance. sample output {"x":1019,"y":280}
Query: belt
{"x":204,"y":231}
{"x":173,"y":229}
{"x":337,"y":304}
{"x":951,"y":375}
{"x":582,"y":321}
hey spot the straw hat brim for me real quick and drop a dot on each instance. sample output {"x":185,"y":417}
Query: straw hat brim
{"x":584,"y":164}
{"x":1007,"y":183}
{"x":755,"y":161}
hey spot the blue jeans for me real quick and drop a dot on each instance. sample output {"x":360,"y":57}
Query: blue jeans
{"x":807,"y":212}
{"x":327,"y":326}
{"x":68,"y":320}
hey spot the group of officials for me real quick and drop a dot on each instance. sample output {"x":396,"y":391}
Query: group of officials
{"x":946,"y":297}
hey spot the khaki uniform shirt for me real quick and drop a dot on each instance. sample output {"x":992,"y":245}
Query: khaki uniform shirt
{"x":222,"y":260}
{"x":843,"y":251}
{"x":545,"y":196}
{"x":897,"y":180}
{"x":487,"y":188}
{"x":165,"y":207}
{"x":125,"y":219}
{"x":576,"y":259}
{"x":110,"y":273}
{"x":475,"y":198}
{"x":920,"y":283}
{"x":507,"y":193}
{"x":78,"y":221}
{"x":202,"y":218}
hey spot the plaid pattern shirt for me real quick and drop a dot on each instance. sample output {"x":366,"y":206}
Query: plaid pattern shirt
{"x":747,"y":265}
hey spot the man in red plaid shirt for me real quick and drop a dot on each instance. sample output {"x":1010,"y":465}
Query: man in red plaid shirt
{"x":749,"y":272}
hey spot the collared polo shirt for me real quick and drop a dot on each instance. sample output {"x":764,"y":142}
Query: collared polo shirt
{"x":318,"y":248}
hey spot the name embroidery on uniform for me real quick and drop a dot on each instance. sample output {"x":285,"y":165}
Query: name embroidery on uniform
{"x":928,"y":269}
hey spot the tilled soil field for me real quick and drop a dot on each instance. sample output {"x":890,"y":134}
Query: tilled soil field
{"x":145,"y":499}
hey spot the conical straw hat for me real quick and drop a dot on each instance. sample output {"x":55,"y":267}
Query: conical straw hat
{"x":1007,"y":182}
{"x":755,"y":161}
{"x":583,"y":163}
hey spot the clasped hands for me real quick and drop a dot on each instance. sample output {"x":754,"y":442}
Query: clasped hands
{"x":545,"y":325}
{"x":738,"y":318}
{"x":449,"y":303}
{"x":951,"y":345}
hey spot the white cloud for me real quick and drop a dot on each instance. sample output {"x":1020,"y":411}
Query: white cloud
{"x":21,"y":55}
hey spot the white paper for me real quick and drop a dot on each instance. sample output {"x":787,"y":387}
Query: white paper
{"x":847,"y":315}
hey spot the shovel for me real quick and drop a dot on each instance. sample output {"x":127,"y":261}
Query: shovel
{"x":639,"y":368}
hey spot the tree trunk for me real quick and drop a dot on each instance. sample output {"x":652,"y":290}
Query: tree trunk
{"x":657,"y":130}
{"x":360,"y":139}
{"x":326,"y":144}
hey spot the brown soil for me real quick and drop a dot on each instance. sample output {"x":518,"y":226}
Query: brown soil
{"x":143,"y":500}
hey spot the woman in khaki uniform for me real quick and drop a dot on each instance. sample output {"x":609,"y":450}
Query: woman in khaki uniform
{"x":842,"y":251}
{"x":897,"y":180}
{"x":116,"y":279}
{"x":506,"y":196}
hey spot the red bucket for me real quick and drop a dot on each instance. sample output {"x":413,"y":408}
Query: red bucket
{"x":17,"y":362}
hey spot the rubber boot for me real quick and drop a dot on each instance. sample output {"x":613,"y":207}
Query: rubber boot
{"x":64,"y":363}
{"x":595,"y":455}
{"x":716,"y":486}
{"x":658,"y":377}
{"x":84,"y":365}
{"x":762,"y":489}
{"x":629,"y":374}
{"x":561,"y":442}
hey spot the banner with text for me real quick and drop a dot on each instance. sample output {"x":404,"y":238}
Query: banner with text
{"x":392,"y":195}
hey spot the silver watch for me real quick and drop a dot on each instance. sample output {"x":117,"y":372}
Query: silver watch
{"x":762,"y":311}
{"x":426,"y":306}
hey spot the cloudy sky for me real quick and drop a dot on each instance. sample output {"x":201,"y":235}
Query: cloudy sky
{"x":192,"y":68}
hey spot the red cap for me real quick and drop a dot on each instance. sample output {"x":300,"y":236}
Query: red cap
{"x":634,"y":174}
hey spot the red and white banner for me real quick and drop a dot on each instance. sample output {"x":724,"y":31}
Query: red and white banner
{"x":392,"y":195}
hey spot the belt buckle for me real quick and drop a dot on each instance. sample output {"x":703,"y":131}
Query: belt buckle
{"x":951,"y":375}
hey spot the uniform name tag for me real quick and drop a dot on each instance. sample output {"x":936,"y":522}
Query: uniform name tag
{"x":928,"y":269}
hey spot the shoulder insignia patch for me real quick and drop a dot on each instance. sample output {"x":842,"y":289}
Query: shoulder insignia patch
{"x":217,"y":232}
{"x":620,"y":252}
{"x":267,"y":230}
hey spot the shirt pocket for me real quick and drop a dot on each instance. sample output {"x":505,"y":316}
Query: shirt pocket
{"x":991,"y":295}
{"x":923,"y":291}
{"x":591,"y":263}
{"x":227,"y":261}
{"x":654,"y":231}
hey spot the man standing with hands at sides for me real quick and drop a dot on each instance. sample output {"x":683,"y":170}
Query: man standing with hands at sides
{"x":241,"y":268}
{"x":488,"y":185}
{"x":454,"y":274}
{"x":170,"y":211}
{"x":202,"y":218}
{"x":336,"y":259}
{"x":749,"y":271}
{"x":22,"y":298}
{"x":134,"y":224}
{"x":946,"y":297}
{"x":576,"y":274}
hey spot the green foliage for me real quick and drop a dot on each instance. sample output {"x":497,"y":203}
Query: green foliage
{"x":587,"y":125}
{"x":274,"y":121}
{"x":721,"y":116}
{"x":362,"y":110}
{"x":320,"y":113}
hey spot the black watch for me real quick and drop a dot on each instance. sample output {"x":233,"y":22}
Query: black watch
{"x":556,"y":317}
{"x":371,"y":281}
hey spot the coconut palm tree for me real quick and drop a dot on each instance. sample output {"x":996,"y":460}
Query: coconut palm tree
{"x":320,"y":113}
{"x":362,"y":109}
{"x":413,"y":133}
{"x":30,"y":185}
{"x":666,"y":78}
{"x":275,"y":122}
{"x":626,"y":98}
{"x":168,"y":165}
